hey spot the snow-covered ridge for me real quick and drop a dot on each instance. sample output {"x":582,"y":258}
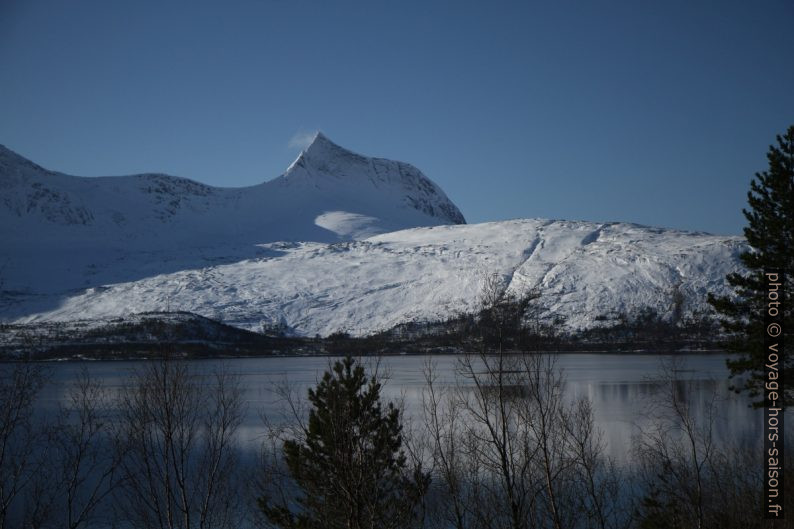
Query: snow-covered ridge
{"x":339,"y":243}
{"x":327,"y":166}
{"x":62,"y":232}
{"x":588,"y":274}
{"x":325,"y":177}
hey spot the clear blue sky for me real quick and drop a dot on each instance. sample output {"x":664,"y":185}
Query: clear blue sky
{"x":651,"y":112}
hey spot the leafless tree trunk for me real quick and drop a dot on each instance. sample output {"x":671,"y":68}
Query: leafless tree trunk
{"x":21,"y":442}
{"x":500,"y":447}
{"x":597,"y":482}
{"x":679,"y":448}
{"x":442,"y":422}
{"x":178,"y":444}
{"x":507,"y":450}
{"x":85,"y":461}
{"x":542,"y":410}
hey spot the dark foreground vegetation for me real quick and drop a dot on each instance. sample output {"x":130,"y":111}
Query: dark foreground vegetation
{"x":500,"y":447}
{"x":770,"y":233}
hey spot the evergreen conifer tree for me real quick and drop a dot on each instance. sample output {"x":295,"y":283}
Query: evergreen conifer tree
{"x":350,"y":468}
{"x":770,"y":233}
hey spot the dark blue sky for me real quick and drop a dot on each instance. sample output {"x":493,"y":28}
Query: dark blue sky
{"x":651,"y":112}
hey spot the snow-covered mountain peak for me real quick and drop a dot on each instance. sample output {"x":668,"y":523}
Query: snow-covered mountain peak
{"x":325,"y":158}
{"x":78,"y":247}
{"x":63,"y":232}
{"x":322,"y":147}
{"x":333,"y":170}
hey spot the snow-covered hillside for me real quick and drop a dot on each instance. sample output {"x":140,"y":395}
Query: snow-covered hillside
{"x":60,"y":232}
{"x":338,"y":243}
{"x":587,"y":273}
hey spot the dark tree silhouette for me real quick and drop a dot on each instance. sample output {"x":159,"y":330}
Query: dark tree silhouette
{"x":349,"y":465}
{"x":769,"y":232}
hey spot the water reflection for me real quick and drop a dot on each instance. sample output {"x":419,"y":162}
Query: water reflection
{"x":621,"y":388}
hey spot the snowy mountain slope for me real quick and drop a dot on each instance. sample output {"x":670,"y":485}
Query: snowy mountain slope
{"x":60,"y":232}
{"x":586,"y":272}
{"x":321,"y":249}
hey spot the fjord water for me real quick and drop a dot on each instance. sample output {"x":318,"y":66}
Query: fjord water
{"x":620,"y":386}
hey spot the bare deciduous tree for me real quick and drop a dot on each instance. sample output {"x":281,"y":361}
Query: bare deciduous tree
{"x":454,"y":489}
{"x":690,"y":477}
{"x":508,"y":450}
{"x":85,"y":459}
{"x":179,"y":453}
{"x":598,"y":487}
{"x":21,"y":442}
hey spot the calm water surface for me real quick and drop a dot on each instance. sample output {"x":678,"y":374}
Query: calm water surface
{"x":619,"y":386}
